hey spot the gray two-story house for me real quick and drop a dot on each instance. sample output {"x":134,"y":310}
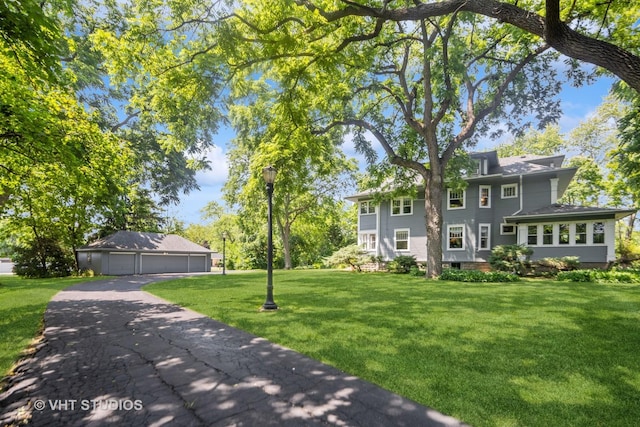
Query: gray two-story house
{"x":507,"y":201}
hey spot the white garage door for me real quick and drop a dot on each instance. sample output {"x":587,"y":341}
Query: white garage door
{"x":121,"y":264}
{"x":164,"y":263}
{"x":198,"y":263}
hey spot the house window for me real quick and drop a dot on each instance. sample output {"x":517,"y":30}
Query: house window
{"x":456,"y":237}
{"x":367,"y":241}
{"x":564,"y":234}
{"x":456,"y":199}
{"x":402,"y":240}
{"x":509,"y":191}
{"x":547,"y":234}
{"x":402,"y":206}
{"x":485,"y":196}
{"x":581,"y":233}
{"x":484,"y":236}
{"x":598,"y":232}
{"x":507,"y":229}
{"x":532,"y":235}
{"x":367,"y":208}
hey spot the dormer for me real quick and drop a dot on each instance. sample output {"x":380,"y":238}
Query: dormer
{"x":484,"y":163}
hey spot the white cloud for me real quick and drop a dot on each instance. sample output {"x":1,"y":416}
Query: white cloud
{"x":219,"y":171}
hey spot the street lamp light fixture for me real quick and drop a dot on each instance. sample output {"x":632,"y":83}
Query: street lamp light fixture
{"x":224,"y":254}
{"x":269,"y":175}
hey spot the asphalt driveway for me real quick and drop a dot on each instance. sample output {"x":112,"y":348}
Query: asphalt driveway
{"x":113,"y":354}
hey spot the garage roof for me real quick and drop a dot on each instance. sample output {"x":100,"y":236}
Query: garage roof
{"x":145,"y":242}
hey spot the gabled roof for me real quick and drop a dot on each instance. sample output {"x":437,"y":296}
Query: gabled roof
{"x":500,"y":167}
{"x":520,"y":165}
{"x":146,"y":242}
{"x":556,"y":211}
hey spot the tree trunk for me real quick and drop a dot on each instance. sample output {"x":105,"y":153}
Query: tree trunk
{"x":433,"y":221}
{"x":285,"y":234}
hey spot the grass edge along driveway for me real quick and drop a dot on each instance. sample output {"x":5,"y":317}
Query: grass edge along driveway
{"x":22,"y":306}
{"x":533,"y":353}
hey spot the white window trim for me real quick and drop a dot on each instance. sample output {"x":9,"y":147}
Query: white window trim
{"x":402,"y":200}
{"x":369,"y":206}
{"x":365,"y":244}
{"x":505,"y":186}
{"x":538,"y":235}
{"x":480,"y":188}
{"x":556,"y":234}
{"x":480,"y":248}
{"x":464,"y":200}
{"x":395,"y":239}
{"x":513,"y":226}
{"x":464,"y":235}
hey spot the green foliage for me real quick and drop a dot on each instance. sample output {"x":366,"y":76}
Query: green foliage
{"x":600,"y":276}
{"x":510,"y":258}
{"x":531,"y":353}
{"x":352,"y":255}
{"x":42,"y":258}
{"x":416,"y":272}
{"x":576,"y":276}
{"x":548,"y":142}
{"x":402,"y":264}
{"x":22,"y":303}
{"x":477,"y":276}
{"x":628,"y":250}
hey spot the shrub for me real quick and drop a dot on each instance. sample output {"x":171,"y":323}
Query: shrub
{"x":42,"y":258}
{"x":402,"y":264}
{"x":415,"y":271}
{"x":352,"y":255}
{"x":555,"y":265}
{"x":477,"y":276}
{"x":614,"y":276}
{"x":575,"y":276}
{"x":510,"y":258}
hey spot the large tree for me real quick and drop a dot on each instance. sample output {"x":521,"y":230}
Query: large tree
{"x":312,"y":171}
{"x":600,"y":33}
{"x":422,"y":91}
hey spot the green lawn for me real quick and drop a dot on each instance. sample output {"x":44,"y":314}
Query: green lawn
{"x":533,"y":353}
{"x":22,"y":305}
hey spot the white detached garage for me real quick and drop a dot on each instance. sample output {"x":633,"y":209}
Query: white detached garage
{"x":130,"y":252}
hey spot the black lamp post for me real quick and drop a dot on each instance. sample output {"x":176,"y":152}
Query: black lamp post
{"x":224,"y":254}
{"x":269,"y":174}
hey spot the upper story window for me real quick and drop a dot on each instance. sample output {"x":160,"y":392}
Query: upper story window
{"x":485,"y":196}
{"x":367,"y":208}
{"x":401,"y":206}
{"x":456,"y":199}
{"x":509,"y":191}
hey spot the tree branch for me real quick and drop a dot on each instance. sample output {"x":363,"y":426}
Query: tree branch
{"x":557,"y":34}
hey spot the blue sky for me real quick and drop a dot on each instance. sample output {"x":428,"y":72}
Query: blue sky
{"x":577,"y":105}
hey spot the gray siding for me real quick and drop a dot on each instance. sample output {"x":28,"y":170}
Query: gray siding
{"x":586,"y":254}
{"x":533,"y":193}
{"x":368,"y":222}
{"x":414,"y":223}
